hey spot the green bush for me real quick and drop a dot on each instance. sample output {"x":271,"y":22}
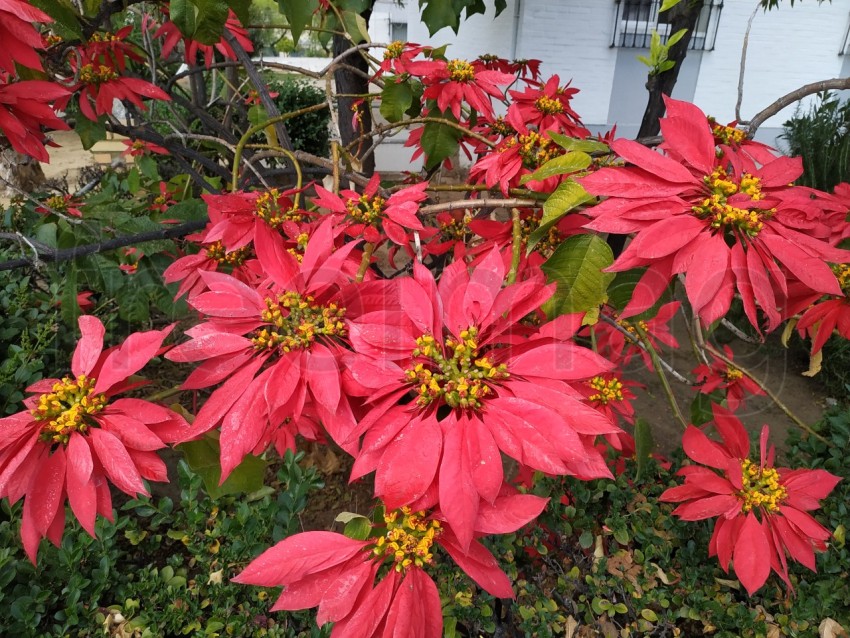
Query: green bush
{"x":308,"y":132}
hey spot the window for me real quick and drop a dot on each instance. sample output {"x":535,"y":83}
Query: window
{"x":398,"y":31}
{"x":635,"y":21}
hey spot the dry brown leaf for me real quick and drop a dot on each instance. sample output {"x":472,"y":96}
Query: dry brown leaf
{"x":831,"y":629}
{"x":571,"y":626}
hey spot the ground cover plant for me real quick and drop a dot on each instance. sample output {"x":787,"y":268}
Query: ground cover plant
{"x":467,"y":359}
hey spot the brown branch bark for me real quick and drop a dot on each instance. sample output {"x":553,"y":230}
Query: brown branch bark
{"x":835,"y":84}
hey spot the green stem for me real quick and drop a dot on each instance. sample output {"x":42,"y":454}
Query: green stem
{"x":368,"y":249}
{"x":516,"y":245}
{"x":659,"y":370}
{"x":162,"y":395}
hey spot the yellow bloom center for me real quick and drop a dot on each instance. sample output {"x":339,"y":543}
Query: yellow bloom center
{"x":461,"y":71}
{"x":842,"y":273}
{"x":733,"y":374}
{"x":606,"y":391}
{"x":630,"y":327}
{"x":457,"y":227}
{"x":500,"y":127}
{"x":534,"y":149}
{"x":267,"y":207}
{"x":461,"y":379}
{"x":716,"y":208}
{"x":727,"y":134}
{"x":366,"y":210}
{"x":394,"y":50}
{"x":64,"y":409}
{"x":408,"y":540}
{"x":295,"y":322}
{"x":761,"y":488}
{"x":236,"y":257}
{"x":57,"y":203}
{"x":548,"y":106}
{"x":91,"y":75}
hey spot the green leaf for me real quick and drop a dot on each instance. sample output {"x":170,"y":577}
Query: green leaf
{"x":565,"y":198}
{"x":90,"y":132}
{"x":69,"y":307}
{"x":147,"y":165}
{"x":66,"y":24}
{"x":133,"y":304}
{"x":46,"y":234}
{"x":561,"y":165}
{"x":701,"y":408}
{"x":668,"y":4}
{"x":438,"y":14}
{"x":355,"y":26}
{"x":585,"y":540}
{"x":576,"y":266}
{"x":439,"y":141}
{"x":358,"y":528}
{"x":643,"y":444}
{"x":396,"y":99}
{"x":203,"y":458}
{"x":242,"y":9}
{"x":673,"y":39}
{"x":573,"y":144}
{"x":200,"y":20}
{"x":299,"y":14}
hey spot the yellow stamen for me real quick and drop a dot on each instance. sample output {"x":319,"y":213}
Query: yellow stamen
{"x":64,"y":409}
{"x":761,"y":488}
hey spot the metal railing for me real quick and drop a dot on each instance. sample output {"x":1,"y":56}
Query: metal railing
{"x":635,"y":20}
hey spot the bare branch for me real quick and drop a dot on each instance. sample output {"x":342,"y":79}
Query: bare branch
{"x":835,"y":84}
{"x":744,"y":61}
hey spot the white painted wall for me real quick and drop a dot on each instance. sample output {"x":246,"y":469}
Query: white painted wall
{"x":788,"y":47}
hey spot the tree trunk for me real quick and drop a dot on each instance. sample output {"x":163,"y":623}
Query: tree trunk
{"x":354,"y":84}
{"x":683,"y":16}
{"x":19,"y":173}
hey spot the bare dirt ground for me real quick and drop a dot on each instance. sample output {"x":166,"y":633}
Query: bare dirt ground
{"x":778,"y":368}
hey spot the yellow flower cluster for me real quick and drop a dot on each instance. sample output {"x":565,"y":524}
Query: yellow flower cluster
{"x":606,"y":391}
{"x":727,"y":134}
{"x":394,"y":50}
{"x":236,"y":257}
{"x":106,"y":36}
{"x":57,"y":203}
{"x":408,"y":539}
{"x":91,"y":75}
{"x":534,"y":149}
{"x":456,"y":228}
{"x":500,"y":127}
{"x":366,"y":210}
{"x":65,"y":407}
{"x":732,"y":373}
{"x":297,"y":251}
{"x":268,"y":209}
{"x":761,"y":488}
{"x":460,"y":380}
{"x":842,"y":273}
{"x":548,"y":106}
{"x":461,"y":71}
{"x":723,"y":214}
{"x":296,"y":321}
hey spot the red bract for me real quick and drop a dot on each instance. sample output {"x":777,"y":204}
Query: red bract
{"x":173,"y":35}
{"x":25,"y":108}
{"x":366,"y":213}
{"x":722,"y":376}
{"x":762,"y":511}
{"x":398,"y":55}
{"x":240,"y":263}
{"x":19,"y":37}
{"x":337,"y":574}
{"x":827,"y":315}
{"x":547,"y":108}
{"x":277,"y":349}
{"x":453,"y":82}
{"x":61,"y":204}
{"x":481,"y":384}
{"x":724,"y":222}
{"x":613,"y":343}
{"x":135,"y":148}
{"x":110,"y":49}
{"x":75,"y":438}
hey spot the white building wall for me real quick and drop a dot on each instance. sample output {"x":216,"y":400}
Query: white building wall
{"x":788,"y":47}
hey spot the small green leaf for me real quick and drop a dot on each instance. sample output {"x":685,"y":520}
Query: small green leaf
{"x":90,"y":132}
{"x":643,"y":445}
{"x":396,"y":99}
{"x":620,"y":608}
{"x":573,"y":144}
{"x":701,"y":408}
{"x":439,"y":141}
{"x":576,"y":266}
{"x":668,"y":4}
{"x":200,"y":20}
{"x":673,"y":39}
{"x":203,"y":458}
{"x":561,"y":165}
{"x":299,"y":14}
{"x":66,"y":23}
{"x":585,"y":540}
{"x":358,"y":528}
{"x":648,"y":614}
{"x":621,"y":535}
{"x":565,"y":198}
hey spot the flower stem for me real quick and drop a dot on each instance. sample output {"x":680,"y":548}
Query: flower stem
{"x":516,"y":245}
{"x":368,"y":249}
{"x":659,"y":370}
{"x":162,"y":395}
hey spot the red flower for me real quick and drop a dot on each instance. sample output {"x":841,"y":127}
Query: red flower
{"x":110,"y":49}
{"x":547,"y":108}
{"x":367,"y":212}
{"x":19,"y":37}
{"x":173,"y":35}
{"x":828,"y":315}
{"x":481,"y":384}
{"x":398,"y":55}
{"x":24,"y":108}
{"x":722,"y":376}
{"x":611,"y":395}
{"x":62,"y":204}
{"x":277,"y":349}
{"x":616,"y":346}
{"x":762,"y":511}
{"x":75,"y":437}
{"x":720,"y":219}
{"x":337,"y":574}
{"x":135,"y":148}
{"x":164,"y":200}
{"x":240,"y":263}
{"x":452,"y":82}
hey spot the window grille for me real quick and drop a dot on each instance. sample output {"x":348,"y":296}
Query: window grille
{"x":635,"y":20}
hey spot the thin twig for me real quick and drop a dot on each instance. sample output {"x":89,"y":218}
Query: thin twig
{"x":516,"y":245}
{"x":835,"y":84}
{"x":744,"y":61}
{"x":628,"y":335}
{"x":478,"y":203}
{"x":659,"y":370}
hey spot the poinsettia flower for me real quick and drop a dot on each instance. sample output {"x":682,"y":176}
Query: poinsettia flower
{"x":61,"y":204}
{"x":337,"y":574}
{"x":611,"y":395}
{"x":99,"y":85}
{"x":724,"y":222}
{"x":241,"y":263}
{"x":110,"y":49}
{"x":164,"y":200}
{"x":720,"y":375}
{"x":398,"y":55}
{"x":481,"y":384}
{"x":822,"y":316}
{"x":192,"y":48}
{"x":453,"y":82}
{"x":524,"y":69}
{"x":135,"y":148}
{"x":547,"y":108}
{"x":19,"y":37}
{"x":367,"y":212}
{"x":614,"y":345}
{"x":276,"y":348}
{"x":762,"y":512}
{"x":75,"y":437}
{"x":25,"y":107}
